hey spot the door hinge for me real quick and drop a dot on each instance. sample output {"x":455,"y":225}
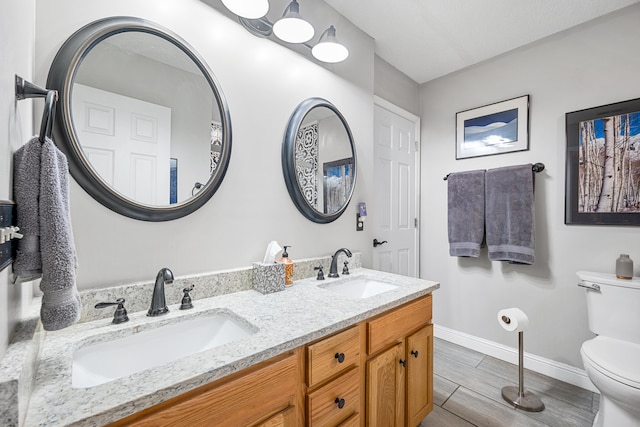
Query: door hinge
{"x":415,"y":222}
{"x":415,"y":143}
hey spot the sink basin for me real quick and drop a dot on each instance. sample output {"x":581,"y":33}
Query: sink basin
{"x":359,"y":288}
{"x":102,"y":362}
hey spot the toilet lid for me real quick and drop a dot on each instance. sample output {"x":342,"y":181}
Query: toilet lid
{"x":619,"y":360}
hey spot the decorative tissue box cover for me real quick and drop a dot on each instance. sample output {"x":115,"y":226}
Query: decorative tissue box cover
{"x":268,"y":278}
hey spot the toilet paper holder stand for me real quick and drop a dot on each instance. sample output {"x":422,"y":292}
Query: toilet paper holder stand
{"x":517,"y":396}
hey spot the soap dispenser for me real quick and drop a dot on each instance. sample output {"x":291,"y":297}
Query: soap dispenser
{"x":288,"y":267}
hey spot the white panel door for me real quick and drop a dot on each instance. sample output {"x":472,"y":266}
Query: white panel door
{"x":395,"y":213}
{"x":127,"y":141}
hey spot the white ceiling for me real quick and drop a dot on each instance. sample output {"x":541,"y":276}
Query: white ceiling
{"x":426,"y":39}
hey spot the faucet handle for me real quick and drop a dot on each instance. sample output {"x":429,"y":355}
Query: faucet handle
{"x":186,"y":299}
{"x":320,"y":273}
{"x":120,"y":315}
{"x":345,"y":269}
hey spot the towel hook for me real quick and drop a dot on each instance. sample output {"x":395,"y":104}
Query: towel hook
{"x":26,"y":89}
{"x":48,"y":116}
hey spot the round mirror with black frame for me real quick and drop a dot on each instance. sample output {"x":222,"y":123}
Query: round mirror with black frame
{"x":319,"y":160}
{"x":141,"y":119}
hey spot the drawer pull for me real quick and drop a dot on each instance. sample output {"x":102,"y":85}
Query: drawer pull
{"x":415,"y":353}
{"x":340,"y":402}
{"x":340,"y":357}
{"x":403,"y":363}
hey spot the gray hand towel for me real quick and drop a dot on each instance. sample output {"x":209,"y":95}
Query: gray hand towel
{"x":466,"y":212}
{"x":50,"y":214}
{"x":509,"y":214}
{"x":26,"y":191}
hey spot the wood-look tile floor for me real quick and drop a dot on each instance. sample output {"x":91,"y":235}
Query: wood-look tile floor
{"x":467,"y":392}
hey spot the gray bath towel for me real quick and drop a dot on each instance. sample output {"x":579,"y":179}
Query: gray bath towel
{"x":510,"y":214}
{"x":60,"y":301}
{"x":466,"y":212}
{"x":26,"y":182}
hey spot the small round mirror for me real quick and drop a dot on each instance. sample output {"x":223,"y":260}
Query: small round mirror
{"x":319,"y":160}
{"x":141,"y":119}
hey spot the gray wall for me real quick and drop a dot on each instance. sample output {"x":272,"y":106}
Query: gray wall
{"x":17,"y":36}
{"x":394,"y":86}
{"x":263,"y":82}
{"x":591,"y":65}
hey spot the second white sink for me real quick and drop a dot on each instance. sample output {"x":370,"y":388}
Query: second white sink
{"x":360,"y":287}
{"x":102,"y":362}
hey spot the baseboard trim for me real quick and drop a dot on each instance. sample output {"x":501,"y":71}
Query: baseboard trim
{"x":551,"y":368}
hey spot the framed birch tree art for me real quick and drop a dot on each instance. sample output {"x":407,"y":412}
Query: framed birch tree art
{"x":603,"y":165}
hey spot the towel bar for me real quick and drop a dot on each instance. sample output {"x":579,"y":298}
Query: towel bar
{"x":538,"y":167}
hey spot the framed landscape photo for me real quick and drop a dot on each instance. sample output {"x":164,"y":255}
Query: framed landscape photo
{"x":603,"y":165}
{"x":497,"y":128}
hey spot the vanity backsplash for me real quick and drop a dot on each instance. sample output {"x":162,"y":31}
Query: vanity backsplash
{"x":205,"y":285}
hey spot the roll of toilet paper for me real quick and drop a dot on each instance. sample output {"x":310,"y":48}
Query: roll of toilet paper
{"x":513,"y":319}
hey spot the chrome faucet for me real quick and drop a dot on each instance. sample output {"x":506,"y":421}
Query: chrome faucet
{"x":333,"y":270}
{"x":158,"y":303}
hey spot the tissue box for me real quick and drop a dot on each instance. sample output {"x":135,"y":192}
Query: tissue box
{"x":268,"y":277}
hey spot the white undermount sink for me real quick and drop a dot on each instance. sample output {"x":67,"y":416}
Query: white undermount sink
{"x":360,"y":287}
{"x":102,"y":362}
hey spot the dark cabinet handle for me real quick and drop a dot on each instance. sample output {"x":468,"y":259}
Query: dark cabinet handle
{"x":340,"y":357}
{"x":415,"y":353}
{"x":340,"y":402}
{"x":403,"y":363}
{"x":376,"y":243}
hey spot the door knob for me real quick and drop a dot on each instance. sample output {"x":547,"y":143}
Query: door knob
{"x":376,"y":243}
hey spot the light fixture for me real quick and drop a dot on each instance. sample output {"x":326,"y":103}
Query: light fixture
{"x":328,"y":48}
{"x":292,"y":27}
{"x":251,"y":9}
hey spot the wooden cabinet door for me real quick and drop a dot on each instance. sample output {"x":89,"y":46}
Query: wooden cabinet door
{"x":265,"y":390}
{"x":419,"y":375}
{"x":286,"y":418}
{"x":386,"y":388}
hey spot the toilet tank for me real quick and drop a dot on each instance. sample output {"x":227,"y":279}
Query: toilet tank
{"x":614,"y":309}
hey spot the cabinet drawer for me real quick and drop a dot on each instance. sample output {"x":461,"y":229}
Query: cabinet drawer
{"x":322,"y":405}
{"x":387,"y":328}
{"x":324,"y":357}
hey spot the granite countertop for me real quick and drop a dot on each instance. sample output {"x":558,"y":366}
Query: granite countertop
{"x":284,"y":320}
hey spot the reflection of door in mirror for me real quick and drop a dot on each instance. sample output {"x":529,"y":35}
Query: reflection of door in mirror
{"x":127,"y":142}
{"x":152,"y":71}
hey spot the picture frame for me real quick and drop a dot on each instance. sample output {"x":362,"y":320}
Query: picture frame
{"x":502,"y":127}
{"x":602,"y":181}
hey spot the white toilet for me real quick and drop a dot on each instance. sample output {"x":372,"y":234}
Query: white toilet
{"x":612,"y":359}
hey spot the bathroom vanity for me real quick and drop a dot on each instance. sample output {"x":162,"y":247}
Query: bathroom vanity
{"x":315,"y":355}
